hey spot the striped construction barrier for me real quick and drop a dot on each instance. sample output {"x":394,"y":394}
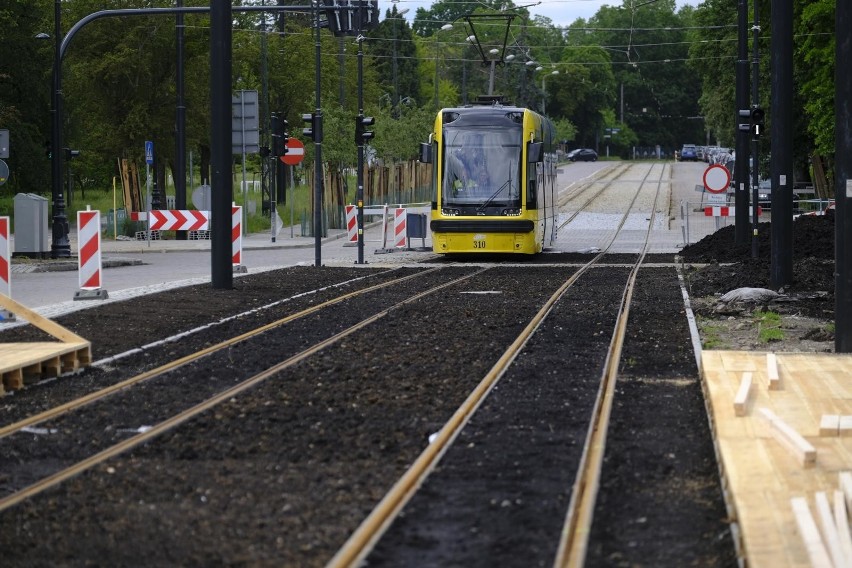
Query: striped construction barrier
{"x":351,"y":224}
{"x":178,"y":220}
{"x":237,"y":238}
{"x":89,"y":256}
{"x":5,"y":256}
{"x":723,"y":211}
{"x":400,"y":230}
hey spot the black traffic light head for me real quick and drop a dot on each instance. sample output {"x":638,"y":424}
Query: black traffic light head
{"x":313,"y":132}
{"x":362,"y":135}
{"x":757,"y":117}
{"x":279,"y":135}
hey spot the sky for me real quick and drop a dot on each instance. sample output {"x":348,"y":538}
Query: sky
{"x":561,"y":12}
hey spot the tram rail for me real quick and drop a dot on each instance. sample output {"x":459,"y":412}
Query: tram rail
{"x":572,"y":546}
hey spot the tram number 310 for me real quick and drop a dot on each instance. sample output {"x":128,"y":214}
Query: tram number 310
{"x":479,"y":243}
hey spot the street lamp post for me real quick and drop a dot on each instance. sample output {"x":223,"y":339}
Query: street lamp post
{"x":493,"y":52}
{"x":445,"y":27}
{"x":543,"y":89}
{"x":60,"y":246}
{"x":397,"y":16}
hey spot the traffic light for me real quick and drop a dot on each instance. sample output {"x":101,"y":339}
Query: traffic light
{"x":757,"y":116}
{"x":47,"y":149}
{"x":362,"y":135}
{"x":279,"y":135}
{"x":315,"y":130}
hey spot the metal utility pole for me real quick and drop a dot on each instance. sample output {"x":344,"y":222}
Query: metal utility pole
{"x":755,"y":101}
{"x":741,"y":172}
{"x":318,"y":145}
{"x":359,"y":140}
{"x":843,"y":183}
{"x":222,"y":272}
{"x":60,"y":245}
{"x":781,"y":235}
{"x":180,"y":120}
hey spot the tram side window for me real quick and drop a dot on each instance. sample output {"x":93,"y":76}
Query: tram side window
{"x":532,"y":186}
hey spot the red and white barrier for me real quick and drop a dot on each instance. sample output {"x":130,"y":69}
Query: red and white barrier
{"x":727,"y":211}
{"x":89,"y":255}
{"x":178,"y":220}
{"x":237,"y":238}
{"x":5,"y":256}
{"x":351,"y":224}
{"x":400,"y":232}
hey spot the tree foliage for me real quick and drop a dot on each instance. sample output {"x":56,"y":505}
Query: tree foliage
{"x":660,"y":76}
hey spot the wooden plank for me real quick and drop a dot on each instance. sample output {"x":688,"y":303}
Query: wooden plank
{"x":845,"y":426}
{"x":841,"y":519}
{"x":845,"y":479}
{"x":772,"y":372}
{"x":829,"y":425}
{"x":829,"y":529}
{"x":741,"y":400}
{"x":804,"y":452}
{"x":39,"y":321}
{"x":810,"y":534}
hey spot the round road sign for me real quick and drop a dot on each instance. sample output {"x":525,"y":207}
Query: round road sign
{"x":4,"y":172}
{"x":295,"y":152}
{"x":717,"y":178}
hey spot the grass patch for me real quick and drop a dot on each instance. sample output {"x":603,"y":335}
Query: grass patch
{"x":711,"y":334}
{"x":768,"y":326}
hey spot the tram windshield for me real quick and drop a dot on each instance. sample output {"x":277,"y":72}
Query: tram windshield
{"x":482,"y":170}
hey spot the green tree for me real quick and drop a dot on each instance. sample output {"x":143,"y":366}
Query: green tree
{"x":25,"y":91}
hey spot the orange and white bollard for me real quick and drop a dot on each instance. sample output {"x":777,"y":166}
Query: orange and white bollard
{"x":89,"y":256}
{"x":5,"y":258}
{"x":400,"y":232}
{"x":351,"y":224}
{"x":237,"y":239}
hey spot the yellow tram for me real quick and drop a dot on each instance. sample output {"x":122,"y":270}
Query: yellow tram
{"x":494,"y":172}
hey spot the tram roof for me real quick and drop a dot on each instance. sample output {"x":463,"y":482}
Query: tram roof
{"x":476,"y":114}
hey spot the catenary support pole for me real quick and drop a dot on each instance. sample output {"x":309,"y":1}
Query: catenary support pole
{"x":222,"y":272}
{"x":781,"y":229}
{"x":843,"y":187}
{"x":180,"y":123}
{"x":755,"y":145}
{"x":741,"y":184}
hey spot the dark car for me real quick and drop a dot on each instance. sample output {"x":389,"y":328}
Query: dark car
{"x":583,"y":155}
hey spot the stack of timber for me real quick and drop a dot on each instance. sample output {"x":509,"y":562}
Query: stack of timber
{"x":782,"y":424}
{"x":21,"y":363}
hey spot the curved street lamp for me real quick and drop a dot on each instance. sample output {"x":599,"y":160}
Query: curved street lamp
{"x":543,"y":90}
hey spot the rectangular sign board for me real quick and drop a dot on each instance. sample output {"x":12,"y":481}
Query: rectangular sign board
{"x":245,"y":136}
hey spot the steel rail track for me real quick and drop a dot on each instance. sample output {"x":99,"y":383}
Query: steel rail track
{"x":177,"y":363}
{"x":575,"y":535}
{"x":362,"y":540}
{"x":224,"y":396}
{"x":563,"y":199}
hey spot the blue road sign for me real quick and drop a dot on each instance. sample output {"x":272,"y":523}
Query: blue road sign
{"x":149,"y":152}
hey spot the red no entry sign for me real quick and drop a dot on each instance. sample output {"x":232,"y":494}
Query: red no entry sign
{"x":295,"y":152}
{"x":717,"y":178}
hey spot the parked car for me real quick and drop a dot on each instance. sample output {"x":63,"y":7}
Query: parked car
{"x":689,"y":153}
{"x":764,"y":194}
{"x":583,"y":155}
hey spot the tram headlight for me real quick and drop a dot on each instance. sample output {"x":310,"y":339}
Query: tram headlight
{"x":511,"y":212}
{"x":450,"y":212}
